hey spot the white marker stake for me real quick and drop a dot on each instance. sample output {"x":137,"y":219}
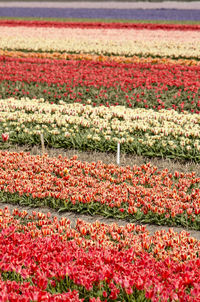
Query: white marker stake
{"x":42,"y":143}
{"x":118,"y":153}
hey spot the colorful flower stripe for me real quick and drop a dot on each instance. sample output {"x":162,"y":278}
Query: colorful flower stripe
{"x":97,"y":58}
{"x":137,"y":193}
{"x":101,"y":272}
{"x":125,"y":42}
{"x":182,"y":246}
{"x":113,"y":25}
{"x":47,"y":260}
{"x":120,"y":14}
{"x":141,"y":131}
{"x":104,"y":35}
{"x":144,"y":85}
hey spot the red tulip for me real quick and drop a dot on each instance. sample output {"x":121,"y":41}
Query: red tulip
{"x":5,"y":137}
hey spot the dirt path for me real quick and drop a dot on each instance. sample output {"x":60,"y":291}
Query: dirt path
{"x":106,"y":4}
{"x":73,"y":218}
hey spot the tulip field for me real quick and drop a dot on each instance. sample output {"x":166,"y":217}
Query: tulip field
{"x":96,"y":77}
{"x":135,"y":193}
{"x":90,"y":85}
{"x":44,"y":259}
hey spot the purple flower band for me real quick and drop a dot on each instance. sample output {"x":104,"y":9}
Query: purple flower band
{"x":128,"y":14}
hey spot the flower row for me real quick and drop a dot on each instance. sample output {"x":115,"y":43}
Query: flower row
{"x":161,"y":245}
{"x":141,"y":131}
{"x":112,"y":25}
{"x":185,"y":15}
{"x":97,"y":58}
{"x":139,"y":73}
{"x":104,"y":273}
{"x":137,"y":193}
{"x":124,"y":42}
{"x":144,"y":85}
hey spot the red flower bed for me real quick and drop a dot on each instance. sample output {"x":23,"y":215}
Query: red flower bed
{"x":61,"y":265}
{"x":137,"y":193}
{"x":110,"y":83}
{"x":99,"y":73}
{"x":41,"y":23}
